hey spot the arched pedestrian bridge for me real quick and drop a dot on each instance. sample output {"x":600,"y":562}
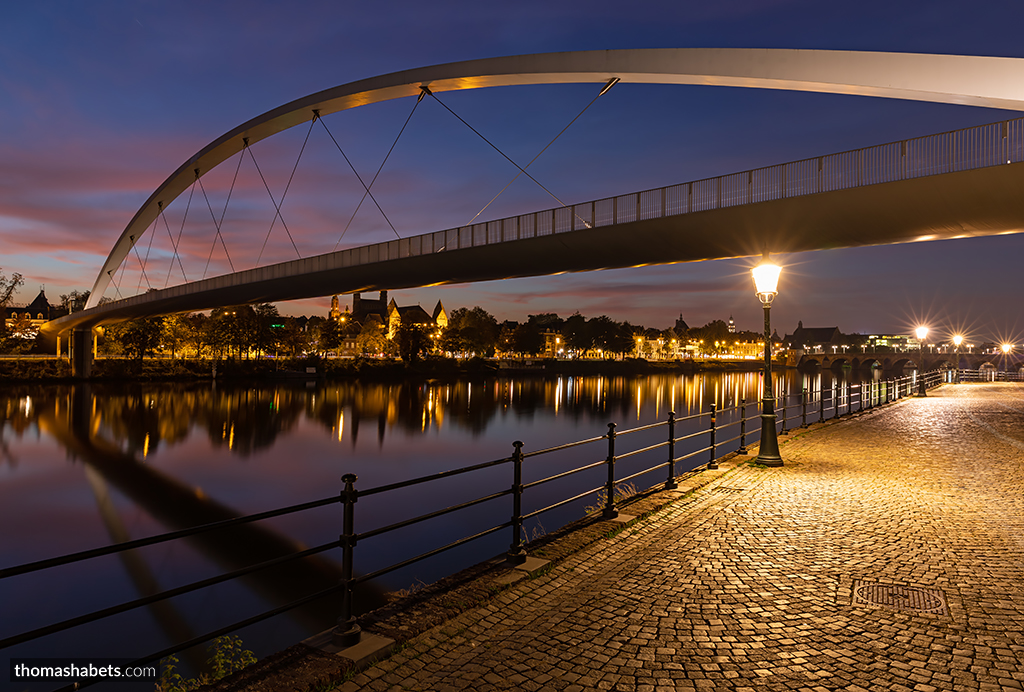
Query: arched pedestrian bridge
{"x":951,"y":185}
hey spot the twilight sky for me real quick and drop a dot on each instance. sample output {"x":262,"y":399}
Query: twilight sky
{"x":101,"y":101}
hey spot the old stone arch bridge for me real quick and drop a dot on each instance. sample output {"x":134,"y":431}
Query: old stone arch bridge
{"x":897,"y":362}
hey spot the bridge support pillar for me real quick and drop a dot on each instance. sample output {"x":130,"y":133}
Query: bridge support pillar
{"x":83,"y":351}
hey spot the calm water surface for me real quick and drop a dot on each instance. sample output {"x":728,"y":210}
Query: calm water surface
{"x":87,"y":466}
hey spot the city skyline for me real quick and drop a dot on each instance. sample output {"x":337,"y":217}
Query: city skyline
{"x":101,"y":104}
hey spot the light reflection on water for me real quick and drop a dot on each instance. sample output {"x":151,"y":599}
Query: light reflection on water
{"x":85,"y":466}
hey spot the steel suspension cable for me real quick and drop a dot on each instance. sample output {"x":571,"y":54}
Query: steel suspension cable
{"x":386,"y":157}
{"x":359,"y":178}
{"x":114,"y":280}
{"x":522,"y":170}
{"x":142,"y":266}
{"x":284,"y":195}
{"x":276,"y":207}
{"x":176,"y":243}
{"x":604,"y":90}
{"x":217,"y":225}
{"x":149,"y":249}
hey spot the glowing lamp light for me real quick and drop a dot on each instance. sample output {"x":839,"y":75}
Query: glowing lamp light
{"x":766,"y":280}
{"x":957,"y":340}
{"x":921,"y":332}
{"x":1006,"y":348}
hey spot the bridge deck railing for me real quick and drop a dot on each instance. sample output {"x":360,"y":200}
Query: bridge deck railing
{"x":981,"y":146}
{"x":690,"y":442}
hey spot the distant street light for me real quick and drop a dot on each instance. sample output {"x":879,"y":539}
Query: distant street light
{"x":957,"y":340}
{"x":922,"y":334}
{"x":766,"y":282}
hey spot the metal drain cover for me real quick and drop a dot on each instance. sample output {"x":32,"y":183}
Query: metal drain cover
{"x":909,"y":598}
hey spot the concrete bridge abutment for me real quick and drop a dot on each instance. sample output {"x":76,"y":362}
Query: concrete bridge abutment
{"x":83,"y":352}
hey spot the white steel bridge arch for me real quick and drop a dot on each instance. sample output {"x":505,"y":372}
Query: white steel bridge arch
{"x":969,"y":80}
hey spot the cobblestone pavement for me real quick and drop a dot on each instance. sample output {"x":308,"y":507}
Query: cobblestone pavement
{"x":753,"y":584}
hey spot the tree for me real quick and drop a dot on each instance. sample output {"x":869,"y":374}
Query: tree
{"x":232,"y":328}
{"x":265,"y":332}
{"x":411,"y":341}
{"x":332,"y":336}
{"x":577,"y":335}
{"x":8,"y":287}
{"x":603,"y":333}
{"x":294,"y":338}
{"x":623,"y":339}
{"x":22,"y":335}
{"x":135,"y":338}
{"x":372,"y":339}
{"x":178,"y":333}
{"x":74,"y":301}
{"x":527,"y":340}
{"x":471,"y":331}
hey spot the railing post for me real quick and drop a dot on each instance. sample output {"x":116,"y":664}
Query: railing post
{"x":516,"y":552}
{"x":782,"y":412}
{"x":609,"y":507}
{"x":803,"y":408}
{"x":835,"y":398}
{"x":821,"y":403}
{"x":743,"y":427}
{"x":347,"y":631}
{"x":671,"y":484}
{"x":714,"y":428}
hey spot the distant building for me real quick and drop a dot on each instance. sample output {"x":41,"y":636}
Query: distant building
{"x":389,"y":315}
{"x":813,"y":338}
{"x":365,"y":307}
{"x":732,"y":325}
{"x":415,"y":315}
{"x":882,"y":342}
{"x":25,"y":320}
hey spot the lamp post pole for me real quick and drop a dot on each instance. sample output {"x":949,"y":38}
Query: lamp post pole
{"x":957,"y":340}
{"x":922,"y":334}
{"x":766,"y":277}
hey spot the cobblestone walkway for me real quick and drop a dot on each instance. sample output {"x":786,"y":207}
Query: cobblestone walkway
{"x":753,"y":584}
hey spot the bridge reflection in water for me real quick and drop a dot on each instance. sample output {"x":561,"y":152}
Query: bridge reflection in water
{"x":154,"y":459}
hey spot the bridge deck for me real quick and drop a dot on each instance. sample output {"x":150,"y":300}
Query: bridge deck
{"x":755,"y":581}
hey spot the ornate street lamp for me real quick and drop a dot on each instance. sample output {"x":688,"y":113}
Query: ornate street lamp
{"x":957,"y":340}
{"x":766,"y":281}
{"x":922,"y":334}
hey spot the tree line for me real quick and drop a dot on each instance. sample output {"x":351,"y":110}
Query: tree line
{"x":259,"y":330}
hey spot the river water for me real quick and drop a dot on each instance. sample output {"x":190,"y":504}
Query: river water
{"x":88,"y":466}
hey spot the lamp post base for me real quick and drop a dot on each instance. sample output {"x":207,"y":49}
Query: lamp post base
{"x":768,"y":451}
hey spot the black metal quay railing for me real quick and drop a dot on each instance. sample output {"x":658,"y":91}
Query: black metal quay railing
{"x":843,"y":398}
{"x":704,"y":433}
